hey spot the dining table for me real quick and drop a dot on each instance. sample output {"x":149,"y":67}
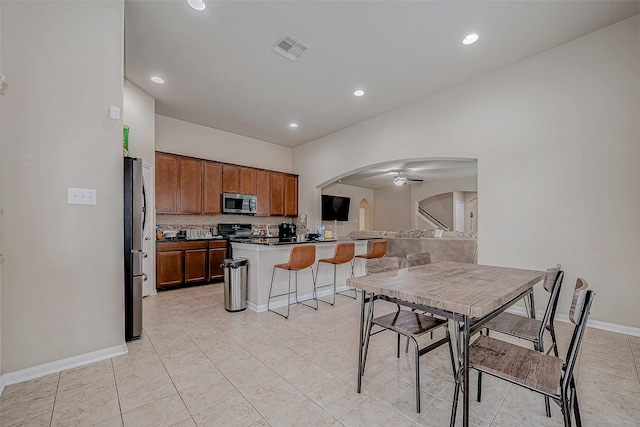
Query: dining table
{"x":467,"y":295}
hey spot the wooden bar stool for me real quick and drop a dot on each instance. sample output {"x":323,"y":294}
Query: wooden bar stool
{"x":300,"y":258}
{"x":378,"y":249}
{"x":344,"y":253}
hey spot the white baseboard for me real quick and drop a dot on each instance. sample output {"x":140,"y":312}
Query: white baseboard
{"x":61,"y":365}
{"x":1,"y":385}
{"x":612,"y":327}
{"x":292,"y":299}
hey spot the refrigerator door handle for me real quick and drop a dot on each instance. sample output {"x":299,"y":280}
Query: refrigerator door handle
{"x":144,"y":277}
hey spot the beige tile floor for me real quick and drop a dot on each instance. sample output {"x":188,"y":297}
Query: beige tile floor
{"x":197,"y":365}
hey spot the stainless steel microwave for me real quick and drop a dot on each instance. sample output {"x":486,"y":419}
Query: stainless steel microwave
{"x":239,"y":204}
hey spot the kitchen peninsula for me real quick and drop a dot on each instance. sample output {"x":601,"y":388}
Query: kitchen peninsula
{"x":263,"y":255}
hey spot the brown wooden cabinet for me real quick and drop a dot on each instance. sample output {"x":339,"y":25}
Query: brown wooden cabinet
{"x":195,"y":265}
{"x":167,"y":185}
{"x":185,"y":185}
{"x":212,"y":188}
{"x":217,"y":255}
{"x":230,"y":179}
{"x":277,"y":193}
{"x":248,"y":181}
{"x":170,"y":268}
{"x":189,"y":262}
{"x":190,"y":186}
{"x":290,"y":195}
{"x":263,"y":192}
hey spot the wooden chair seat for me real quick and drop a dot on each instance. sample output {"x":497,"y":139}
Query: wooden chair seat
{"x":520,"y":365}
{"x":407,"y":322}
{"x":515,"y":325}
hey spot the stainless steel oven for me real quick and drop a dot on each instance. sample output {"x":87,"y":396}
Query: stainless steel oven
{"x":239,"y":204}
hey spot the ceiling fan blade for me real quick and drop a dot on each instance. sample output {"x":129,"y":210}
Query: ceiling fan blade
{"x":415,"y":180}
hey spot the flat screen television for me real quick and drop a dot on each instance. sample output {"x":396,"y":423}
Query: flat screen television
{"x":335,"y":208}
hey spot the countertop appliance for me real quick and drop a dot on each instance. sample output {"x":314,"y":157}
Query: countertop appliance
{"x":286,"y":230}
{"x":134,"y":223}
{"x":239,"y":204}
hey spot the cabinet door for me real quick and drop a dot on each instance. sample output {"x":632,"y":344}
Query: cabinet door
{"x":247,"y":181}
{"x":195,"y":265}
{"x":167,"y":198}
{"x":263,"y":192}
{"x":230,"y":179}
{"x":169,"y":268}
{"x":290,"y":195}
{"x":277,"y":193}
{"x":216,"y":257}
{"x":191,"y":186}
{"x":212,"y":183}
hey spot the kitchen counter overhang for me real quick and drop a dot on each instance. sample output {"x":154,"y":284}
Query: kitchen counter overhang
{"x":263,"y":256}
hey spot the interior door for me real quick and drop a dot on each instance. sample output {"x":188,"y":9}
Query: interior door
{"x":148,"y":244}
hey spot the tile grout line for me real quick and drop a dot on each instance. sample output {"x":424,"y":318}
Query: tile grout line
{"x":113,"y":369}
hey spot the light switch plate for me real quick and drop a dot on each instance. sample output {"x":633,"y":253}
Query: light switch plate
{"x":82,"y":196}
{"x":114,"y":113}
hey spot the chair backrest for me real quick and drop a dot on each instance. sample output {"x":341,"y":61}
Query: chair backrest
{"x":420,"y":258}
{"x":553,"y":276}
{"x":344,"y":252}
{"x":378,"y":249}
{"x":302,"y":256}
{"x":550,"y":278}
{"x":379,"y":265}
{"x":578,"y":314}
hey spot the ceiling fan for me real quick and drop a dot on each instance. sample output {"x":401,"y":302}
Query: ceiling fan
{"x":401,"y":179}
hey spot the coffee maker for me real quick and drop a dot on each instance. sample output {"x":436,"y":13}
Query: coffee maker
{"x":286,"y":231}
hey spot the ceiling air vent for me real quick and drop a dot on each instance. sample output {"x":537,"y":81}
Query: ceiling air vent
{"x":290,"y":47}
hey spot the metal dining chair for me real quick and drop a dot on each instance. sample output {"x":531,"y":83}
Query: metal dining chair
{"x":344,"y":253}
{"x":528,"y":328}
{"x":403,"y":322}
{"x":537,"y":371}
{"x":300,"y":258}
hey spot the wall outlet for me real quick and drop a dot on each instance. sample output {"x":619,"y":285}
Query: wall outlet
{"x":81,"y":196}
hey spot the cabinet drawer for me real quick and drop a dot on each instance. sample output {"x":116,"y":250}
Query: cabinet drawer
{"x":180,"y":246}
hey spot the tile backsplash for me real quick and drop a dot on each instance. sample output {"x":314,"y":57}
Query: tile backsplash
{"x":189,"y":222}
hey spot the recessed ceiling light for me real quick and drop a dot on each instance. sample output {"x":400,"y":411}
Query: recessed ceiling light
{"x":471,"y":38}
{"x":293,"y":125}
{"x":157,"y":79}
{"x":359,"y":92}
{"x":197,"y":4}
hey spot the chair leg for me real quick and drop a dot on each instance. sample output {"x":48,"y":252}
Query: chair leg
{"x":566,"y":410}
{"x":454,"y":407}
{"x":355,"y":292}
{"x":479,"y":397}
{"x":314,"y":296}
{"x":368,"y":332}
{"x":552,"y":331}
{"x":398,"y":347}
{"x":417,"y":373}
{"x":270,"y":290}
{"x":334,"y":284}
{"x":576,"y":409}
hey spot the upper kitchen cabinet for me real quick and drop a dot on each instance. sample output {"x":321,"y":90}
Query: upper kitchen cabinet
{"x":277,"y":193}
{"x":248,"y":181}
{"x":167,"y":197}
{"x":190,"y":186}
{"x":230,"y":179}
{"x":212,"y":188}
{"x":263,"y":192}
{"x":290,"y":195}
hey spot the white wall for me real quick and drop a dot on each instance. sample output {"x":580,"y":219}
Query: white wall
{"x":180,"y":137}
{"x":556,"y":138}
{"x":392,"y":208}
{"x":1,"y":91}
{"x":356,"y":194}
{"x":62,"y":272}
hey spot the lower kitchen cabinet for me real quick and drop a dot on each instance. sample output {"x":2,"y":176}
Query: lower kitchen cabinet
{"x":189,"y":262}
{"x":195,"y":265}
{"x":170,"y":268}
{"x":217,"y":255}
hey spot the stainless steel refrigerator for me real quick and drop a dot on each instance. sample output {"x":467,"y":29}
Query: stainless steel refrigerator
{"x":134,"y":223}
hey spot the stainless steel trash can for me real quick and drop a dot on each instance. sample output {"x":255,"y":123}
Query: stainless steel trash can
{"x":235,"y":283}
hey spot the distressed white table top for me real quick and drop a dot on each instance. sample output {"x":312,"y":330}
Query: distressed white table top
{"x":468,"y":289}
